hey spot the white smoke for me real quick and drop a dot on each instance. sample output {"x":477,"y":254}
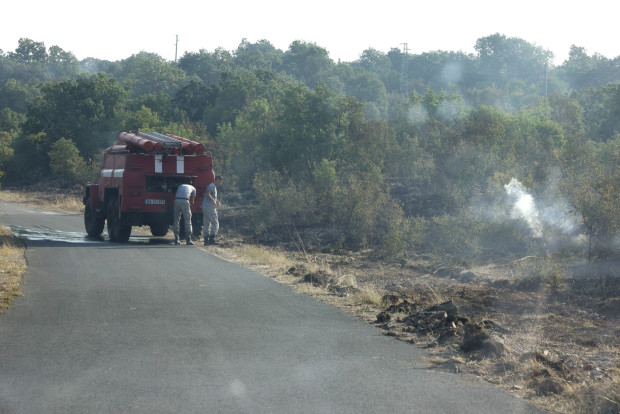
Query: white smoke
{"x":550,"y":217}
{"x":523,"y":207}
{"x":417,"y":114}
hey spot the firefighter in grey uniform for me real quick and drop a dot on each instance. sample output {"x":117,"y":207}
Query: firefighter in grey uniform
{"x":210,"y":204}
{"x":185,"y":196}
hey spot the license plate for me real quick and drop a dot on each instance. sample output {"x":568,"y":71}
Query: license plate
{"x":154,"y":201}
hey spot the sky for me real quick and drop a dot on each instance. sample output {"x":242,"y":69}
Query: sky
{"x":115,"y":29}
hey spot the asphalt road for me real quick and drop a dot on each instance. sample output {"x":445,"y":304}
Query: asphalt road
{"x":149,"y":327}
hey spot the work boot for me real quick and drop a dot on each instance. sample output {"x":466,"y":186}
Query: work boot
{"x":189,"y":242}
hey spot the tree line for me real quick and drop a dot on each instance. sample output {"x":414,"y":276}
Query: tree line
{"x":390,"y":152}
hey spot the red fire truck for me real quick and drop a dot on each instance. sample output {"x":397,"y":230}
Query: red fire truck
{"x":138,"y":181}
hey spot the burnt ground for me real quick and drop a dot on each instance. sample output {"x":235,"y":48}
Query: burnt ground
{"x":555,"y":344}
{"x":543,"y":329}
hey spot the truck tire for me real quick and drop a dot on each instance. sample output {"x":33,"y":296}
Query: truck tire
{"x":94,"y":225}
{"x":159,"y":229}
{"x":182,"y":232}
{"x":197,"y":224}
{"x":117,"y":230}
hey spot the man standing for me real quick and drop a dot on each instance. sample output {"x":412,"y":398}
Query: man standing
{"x":210,"y":204}
{"x":185,"y":196}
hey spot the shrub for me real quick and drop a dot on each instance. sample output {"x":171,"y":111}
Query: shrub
{"x":279,"y":202}
{"x":457,"y":236}
{"x":66,"y":162}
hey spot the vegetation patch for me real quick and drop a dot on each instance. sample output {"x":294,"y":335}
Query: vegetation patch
{"x":12,"y":268}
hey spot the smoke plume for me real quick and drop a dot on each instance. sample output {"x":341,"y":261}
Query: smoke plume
{"x":523,"y":207}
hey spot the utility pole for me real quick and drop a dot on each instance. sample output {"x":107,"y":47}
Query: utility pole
{"x":546,"y":67}
{"x":404,"y":78}
{"x":176,"y":48}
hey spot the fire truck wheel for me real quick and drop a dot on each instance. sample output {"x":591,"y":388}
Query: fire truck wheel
{"x":182,"y":234}
{"x":117,"y":230}
{"x":94,"y":225}
{"x":197,"y":225}
{"x":159,"y":229}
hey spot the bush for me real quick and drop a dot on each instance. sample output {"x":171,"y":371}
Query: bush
{"x":356,"y":208}
{"x":456,"y":236}
{"x":393,"y":232}
{"x":66,"y":163}
{"x":280,"y":203}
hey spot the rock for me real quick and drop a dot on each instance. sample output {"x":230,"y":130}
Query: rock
{"x":443,"y":272}
{"x":403,"y":307}
{"x":590,"y":342}
{"x":297,"y":271}
{"x":316,"y":279}
{"x":587,"y":366}
{"x":494,"y":326}
{"x":427,"y":321}
{"x":547,"y":386}
{"x":597,"y":374}
{"x":390,"y":299}
{"x":448,"y":307}
{"x":342,"y":291}
{"x":383,"y":317}
{"x":476,"y":339}
{"x":467,"y":277}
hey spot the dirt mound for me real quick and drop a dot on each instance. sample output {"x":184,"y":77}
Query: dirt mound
{"x":445,"y":324}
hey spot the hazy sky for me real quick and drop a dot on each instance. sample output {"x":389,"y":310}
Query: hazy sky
{"x":115,"y":29}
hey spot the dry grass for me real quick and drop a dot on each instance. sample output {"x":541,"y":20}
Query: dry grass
{"x":12,"y":268}
{"x":367,"y":295}
{"x":65,"y":203}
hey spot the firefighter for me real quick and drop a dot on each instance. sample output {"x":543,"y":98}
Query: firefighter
{"x":185,"y":196}
{"x":210,"y":204}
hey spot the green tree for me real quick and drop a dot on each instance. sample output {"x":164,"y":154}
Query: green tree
{"x":16,"y":95}
{"x":582,"y":71}
{"x":308,"y":62}
{"x":261,"y":55}
{"x":602,"y":111}
{"x":29,"y":51}
{"x":306,"y":130}
{"x":364,"y":85}
{"x":591,"y":183}
{"x":84,"y":110}
{"x":6,"y":150}
{"x":194,"y":99}
{"x":61,"y":63}
{"x":568,"y":112}
{"x":502,"y":59}
{"x":11,"y":121}
{"x":207,"y":66}
{"x":142,"y":119}
{"x":30,"y":162}
{"x":148,"y":73}
{"x":65,"y":162}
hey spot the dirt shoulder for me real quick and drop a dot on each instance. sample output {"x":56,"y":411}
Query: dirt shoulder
{"x":544,"y":330}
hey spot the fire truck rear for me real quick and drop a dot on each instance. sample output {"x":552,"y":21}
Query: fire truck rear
{"x":138,"y":181}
